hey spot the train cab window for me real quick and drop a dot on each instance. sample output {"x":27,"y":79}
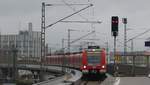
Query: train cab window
{"x":93,"y":58}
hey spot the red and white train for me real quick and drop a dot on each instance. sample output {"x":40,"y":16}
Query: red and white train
{"x":91,"y":60}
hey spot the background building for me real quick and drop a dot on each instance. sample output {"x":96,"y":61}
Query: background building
{"x":28,"y":43}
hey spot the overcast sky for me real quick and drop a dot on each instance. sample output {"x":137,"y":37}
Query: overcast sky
{"x":15,"y":14}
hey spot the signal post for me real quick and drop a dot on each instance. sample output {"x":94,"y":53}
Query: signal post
{"x":124,"y":20}
{"x":114,"y":32}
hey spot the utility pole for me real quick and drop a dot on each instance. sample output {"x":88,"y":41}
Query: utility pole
{"x":115,"y":61}
{"x":69,"y":30}
{"x":46,"y":50}
{"x":73,"y":41}
{"x":44,"y":27}
{"x":0,"y":41}
{"x":132,"y":47}
{"x":124,"y":20}
{"x":42,"y":41}
{"x":63,"y":58}
{"x":107,"y":50}
{"x":14,"y":71}
{"x":63,"y":45}
{"x":69,"y":40}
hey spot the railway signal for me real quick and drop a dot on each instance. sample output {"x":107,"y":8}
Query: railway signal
{"x":114,"y":29}
{"x":114,"y":25}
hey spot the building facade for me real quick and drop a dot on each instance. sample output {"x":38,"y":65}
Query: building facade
{"x":28,"y":43}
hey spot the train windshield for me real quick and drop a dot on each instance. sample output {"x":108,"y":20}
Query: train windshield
{"x":93,"y":58}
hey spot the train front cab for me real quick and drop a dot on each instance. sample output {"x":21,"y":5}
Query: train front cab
{"x":98,"y":68}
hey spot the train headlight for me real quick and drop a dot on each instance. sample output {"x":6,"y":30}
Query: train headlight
{"x":84,"y":66}
{"x":93,"y":50}
{"x":103,"y":66}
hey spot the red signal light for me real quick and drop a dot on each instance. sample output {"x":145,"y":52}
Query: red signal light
{"x":115,"y":22}
{"x":114,"y":25}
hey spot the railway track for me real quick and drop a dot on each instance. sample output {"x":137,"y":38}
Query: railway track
{"x":92,"y":79}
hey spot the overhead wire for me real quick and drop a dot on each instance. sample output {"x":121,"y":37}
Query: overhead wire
{"x":121,"y":44}
{"x":73,"y":9}
{"x":138,"y":35}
